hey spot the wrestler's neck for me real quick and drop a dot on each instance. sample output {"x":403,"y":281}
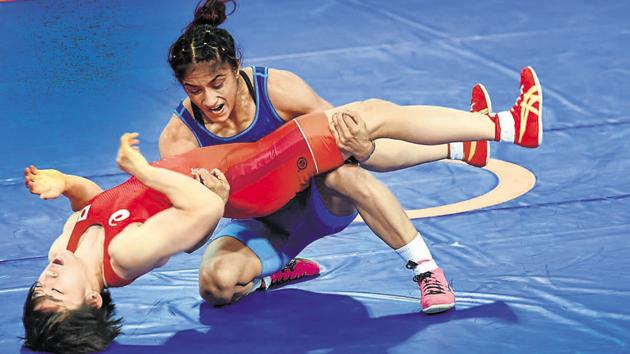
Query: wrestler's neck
{"x":90,"y":252}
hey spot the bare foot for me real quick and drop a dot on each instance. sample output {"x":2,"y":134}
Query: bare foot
{"x":129,"y":158}
{"x":48,"y":184}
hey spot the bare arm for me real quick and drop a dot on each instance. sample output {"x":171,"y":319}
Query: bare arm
{"x":165,"y":234}
{"x":62,"y":240}
{"x":50,"y":184}
{"x":80,"y":191}
{"x":195,"y":212}
{"x":291,"y":96}
{"x":216,"y":181}
{"x":176,"y":138}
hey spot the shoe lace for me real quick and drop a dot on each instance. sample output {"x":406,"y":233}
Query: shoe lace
{"x":291,"y":265}
{"x":430,"y":285}
{"x":284,"y":275}
{"x":519,"y":98}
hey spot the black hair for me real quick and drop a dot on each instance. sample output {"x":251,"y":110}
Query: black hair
{"x":82,"y":330}
{"x":203,"y":41}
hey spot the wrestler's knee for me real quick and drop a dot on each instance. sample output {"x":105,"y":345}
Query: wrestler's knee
{"x":218,"y":278}
{"x":377,"y":103}
{"x":370,"y":104}
{"x":351,"y":181}
{"x":374,"y":112}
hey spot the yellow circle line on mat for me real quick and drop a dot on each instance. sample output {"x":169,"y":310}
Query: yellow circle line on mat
{"x":514,"y":181}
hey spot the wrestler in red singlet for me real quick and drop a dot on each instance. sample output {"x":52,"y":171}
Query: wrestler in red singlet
{"x":263,"y":176}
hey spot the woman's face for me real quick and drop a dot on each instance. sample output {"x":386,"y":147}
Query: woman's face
{"x":63,"y":284}
{"x":212,"y":87}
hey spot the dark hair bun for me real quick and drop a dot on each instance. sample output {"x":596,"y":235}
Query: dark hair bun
{"x":212,"y":12}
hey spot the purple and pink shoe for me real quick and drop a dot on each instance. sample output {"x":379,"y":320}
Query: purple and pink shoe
{"x":298,"y":268}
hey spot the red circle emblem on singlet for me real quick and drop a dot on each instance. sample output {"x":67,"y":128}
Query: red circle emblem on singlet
{"x":302,"y":163}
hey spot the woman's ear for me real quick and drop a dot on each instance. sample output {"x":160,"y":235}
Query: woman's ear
{"x":238,"y":66}
{"x":94,"y":299}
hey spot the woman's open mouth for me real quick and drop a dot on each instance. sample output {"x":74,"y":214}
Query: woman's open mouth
{"x":218,"y":109}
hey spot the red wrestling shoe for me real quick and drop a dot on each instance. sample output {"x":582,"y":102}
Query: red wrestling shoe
{"x":297,"y":268}
{"x":437,"y":294}
{"x":527,"y":111}
{"x":477,"y":153}
{"x":523,"y":123}
{"x":480,"y":100}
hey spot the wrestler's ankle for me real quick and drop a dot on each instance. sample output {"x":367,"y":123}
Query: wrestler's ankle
{"x":414,"y":251}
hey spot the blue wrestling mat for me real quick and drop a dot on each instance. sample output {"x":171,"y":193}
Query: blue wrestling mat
{"x":547,"y":272}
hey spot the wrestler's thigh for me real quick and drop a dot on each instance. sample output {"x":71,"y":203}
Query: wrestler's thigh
{"x":317,"y":221}
{"x":374,"y":113}
{"x":330,"y":186}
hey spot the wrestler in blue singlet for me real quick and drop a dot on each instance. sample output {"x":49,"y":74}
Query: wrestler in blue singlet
{"x":279,"y":237}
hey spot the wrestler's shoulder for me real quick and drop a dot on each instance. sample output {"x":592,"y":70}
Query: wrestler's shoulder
{"x":175,"y":129}
{"x":291,"y":95}
{"x":283,"y":80}
{"x":176,"y":137}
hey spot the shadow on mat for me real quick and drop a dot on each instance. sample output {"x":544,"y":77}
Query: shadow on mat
{"x":298,"y":321}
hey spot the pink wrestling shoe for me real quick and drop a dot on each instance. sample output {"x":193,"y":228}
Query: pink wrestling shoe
{"x":297,"y":268}
{"x":477,"y":153}
{"x":437,"y":294}
{"x":523,"y":123}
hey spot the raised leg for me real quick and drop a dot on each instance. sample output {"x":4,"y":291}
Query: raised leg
{"x":430,"y":125}
{"x":427,"y":125}
{"x":390,"y":154}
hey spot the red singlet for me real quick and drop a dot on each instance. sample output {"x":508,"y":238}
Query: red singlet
{"x":263,"y":177}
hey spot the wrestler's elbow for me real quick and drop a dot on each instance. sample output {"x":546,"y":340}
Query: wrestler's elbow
{"x":214,"y":207}
{"x":205,"y":203}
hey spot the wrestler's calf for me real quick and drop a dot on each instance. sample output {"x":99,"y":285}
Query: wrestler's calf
{"x":377,"y":205}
